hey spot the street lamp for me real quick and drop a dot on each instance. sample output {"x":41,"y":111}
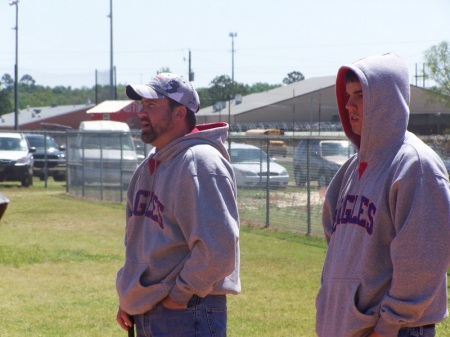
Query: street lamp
{"x":16,"y":66}
{"x":232,"y":35}
{"x":112,"y":95}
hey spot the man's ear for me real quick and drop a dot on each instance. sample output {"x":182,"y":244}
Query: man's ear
{"x":180,"y":112}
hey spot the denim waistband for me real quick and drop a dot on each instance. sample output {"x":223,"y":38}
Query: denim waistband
{"x":428,"y":326}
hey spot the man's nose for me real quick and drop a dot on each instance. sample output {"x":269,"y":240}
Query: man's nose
{"x":350,"y":106}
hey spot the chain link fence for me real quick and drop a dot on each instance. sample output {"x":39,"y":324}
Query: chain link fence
{"x":281,"y":180}
{"x":100,"y":164}
{"x":294,"y":178}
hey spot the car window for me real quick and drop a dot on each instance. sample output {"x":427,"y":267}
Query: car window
{"x":39,"y":143}
{"x":312,"y":145}
{"x":13,"y":144}
{"x":247,"y":155}
{"x":110,"y":142}
{"x":301,"y":147}
{"x":334,"y":149}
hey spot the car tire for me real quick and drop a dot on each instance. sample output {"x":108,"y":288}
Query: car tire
{"x":298,"y":177}
{"x":59,"y":178}
{"x":27,"y":180}
{"x":322,"y":180}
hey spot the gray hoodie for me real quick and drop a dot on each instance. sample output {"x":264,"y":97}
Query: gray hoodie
{"x":386,"y":217}
{"x":182,"y":228}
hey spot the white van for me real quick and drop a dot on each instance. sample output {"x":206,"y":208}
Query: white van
{"x":104,"y":152}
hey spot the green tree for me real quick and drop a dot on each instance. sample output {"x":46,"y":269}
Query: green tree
{"x":437,"y":60}
{"x":223,"y":88}
{"x":7,"y":81}
{"x":293,"y":76}
{"x":163,"y":70}
{"x":261,"y":87}
{"x":220,"y":89}
{"x":27,"y":80}
{"x":5,"y":102}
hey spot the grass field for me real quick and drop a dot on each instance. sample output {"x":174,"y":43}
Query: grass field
{"x":59,"y":256}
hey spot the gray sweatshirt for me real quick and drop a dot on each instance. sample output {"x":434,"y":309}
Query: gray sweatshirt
{"x":386,"y":217}
{"x":182,"y":226}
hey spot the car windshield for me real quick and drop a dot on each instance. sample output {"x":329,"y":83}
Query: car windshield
{"x":334,"y":149}
{"x":247,"y":155}
{"x":12,"y":144}
{"x":105,"y":141}
{"x":39,"y":143}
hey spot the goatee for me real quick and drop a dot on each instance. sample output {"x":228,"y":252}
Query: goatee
{"x":148,"y":136}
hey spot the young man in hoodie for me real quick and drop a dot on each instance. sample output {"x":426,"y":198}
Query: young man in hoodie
{"x":386,"y":215}
{"x":182,"y":223}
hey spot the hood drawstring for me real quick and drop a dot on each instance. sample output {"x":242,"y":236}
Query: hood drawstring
{"x":362,"y":167}
{"x":153,"y":165}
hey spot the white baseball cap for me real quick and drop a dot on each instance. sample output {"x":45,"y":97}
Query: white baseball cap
{"x":166,"y":85}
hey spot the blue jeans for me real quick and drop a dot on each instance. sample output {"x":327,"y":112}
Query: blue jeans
{"x":423,"y":331}
{"x":203,"y":317}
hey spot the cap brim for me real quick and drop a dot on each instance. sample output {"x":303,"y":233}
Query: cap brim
{"x":137,"y":91}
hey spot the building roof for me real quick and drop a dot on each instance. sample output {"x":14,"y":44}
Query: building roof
{"x":110,"y":107}
{"x":33,"y":114}
{"x":273,"y":96}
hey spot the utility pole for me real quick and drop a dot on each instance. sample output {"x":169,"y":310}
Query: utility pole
{"x":423,"y":76}
{"x":16,"y":67}
{"x":111,"y":69}
{"x":232,"y":35}
{"x":191,"y":73}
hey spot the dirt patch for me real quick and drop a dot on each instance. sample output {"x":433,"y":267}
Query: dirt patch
{"x":283,"y":199}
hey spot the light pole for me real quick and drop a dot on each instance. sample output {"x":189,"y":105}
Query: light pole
{"x":111,"y":70}
{"x":232,"y":35}
{"x":16,"y":66}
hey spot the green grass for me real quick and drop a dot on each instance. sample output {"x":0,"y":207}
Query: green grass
{"x":59,"y":256}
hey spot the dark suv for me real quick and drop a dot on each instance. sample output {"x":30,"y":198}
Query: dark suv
{"x":52,"y":160}
{"x":324,"y":160}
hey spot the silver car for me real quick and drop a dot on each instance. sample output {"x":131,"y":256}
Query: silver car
{"x":253,"y":168}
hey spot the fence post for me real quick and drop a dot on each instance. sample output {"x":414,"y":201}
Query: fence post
{"x":68,"y":175}
{"x":267,"y":185}
{"x":45,"y":160}
{"x":83,"y":161}
{"x":101,"y":165}
{"x":308,"y":189}
{"x":121,"y":166}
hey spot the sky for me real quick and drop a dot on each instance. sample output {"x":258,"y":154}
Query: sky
{"x":64,"y":42}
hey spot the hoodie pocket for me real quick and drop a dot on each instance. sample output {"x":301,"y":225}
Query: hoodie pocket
{"x":135,"y":297}
{"x":337,"y":311}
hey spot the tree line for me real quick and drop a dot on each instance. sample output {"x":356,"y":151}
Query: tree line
{"x":221,"y":88}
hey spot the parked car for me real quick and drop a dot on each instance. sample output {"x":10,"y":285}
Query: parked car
{"x":103,"y":152}
{"x":277,"y":147}
{"x":49,"y":157}
{"x":325,"y":159}
{"x":142,"y":149}
{"x":250,"y":167}
{"x":16,"y":159}
{"x":4,"y":201}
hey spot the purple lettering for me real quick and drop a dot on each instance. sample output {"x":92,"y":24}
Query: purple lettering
{"x":362,"y":213}
{"x":147,"y":204}
{"x":140,"y":201}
